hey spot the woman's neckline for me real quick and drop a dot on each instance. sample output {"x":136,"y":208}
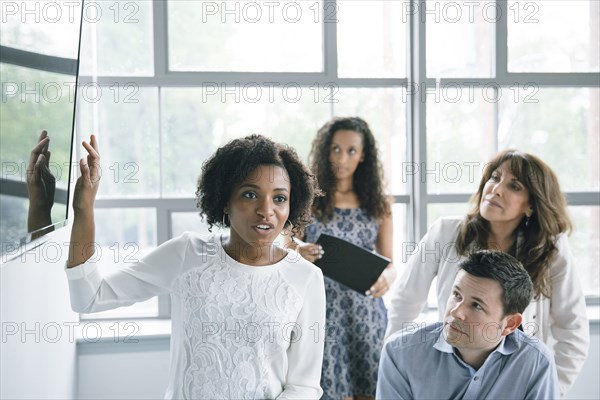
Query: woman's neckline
{"x":247,"y":267}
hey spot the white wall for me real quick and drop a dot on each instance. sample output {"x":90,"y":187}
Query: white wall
{"x":108,"y":370}
{"x":37,"y":347}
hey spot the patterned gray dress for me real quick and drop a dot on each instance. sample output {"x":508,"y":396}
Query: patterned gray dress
{"x":355,"y":323}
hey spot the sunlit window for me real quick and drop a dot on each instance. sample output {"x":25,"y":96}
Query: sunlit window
{"x":175,"y":80}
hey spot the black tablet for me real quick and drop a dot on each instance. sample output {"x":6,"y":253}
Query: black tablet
{"x":349,"y":264}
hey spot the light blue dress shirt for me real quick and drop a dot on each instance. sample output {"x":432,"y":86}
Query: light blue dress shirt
{"x":421,"y":365}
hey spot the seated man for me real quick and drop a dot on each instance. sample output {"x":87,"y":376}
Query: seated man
{"x":477,"y":352}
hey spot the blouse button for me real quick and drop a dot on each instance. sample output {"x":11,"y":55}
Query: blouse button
{"x":476,"y":378}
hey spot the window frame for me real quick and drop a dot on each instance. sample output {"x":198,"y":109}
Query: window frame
{"x":417,"y":197}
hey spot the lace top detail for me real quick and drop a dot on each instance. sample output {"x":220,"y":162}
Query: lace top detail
{"x":234,"y":323}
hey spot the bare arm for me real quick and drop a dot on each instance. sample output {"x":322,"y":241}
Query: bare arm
{"x":83,"y":232}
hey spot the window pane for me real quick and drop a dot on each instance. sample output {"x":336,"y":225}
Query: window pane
{"x":284,"y":36}
{"x":117,"y":39}
{"x":553,"y":36}
{"x":439,"y":210}
{"x":548,"y":121}
{"x":191,"y":222}
{"x":195,"y":121}
{"x":384,"y":109}
{"x":400,"y":216}
{"x":127,"y":241}
{"x":125,"y":118}
{"x":584,"y":245}
{"x":137,"y":226}
{"x":460,"y":38}
{"x":371,"y":38}
{"x":460,"y":138}
{"x":41,"y":26}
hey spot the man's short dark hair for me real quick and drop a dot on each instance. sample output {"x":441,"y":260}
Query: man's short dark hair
{"x":517,"y":287}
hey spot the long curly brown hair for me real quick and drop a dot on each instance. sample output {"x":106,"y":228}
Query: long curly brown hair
{"x":549,"y":219}
{"x":367,"y":179}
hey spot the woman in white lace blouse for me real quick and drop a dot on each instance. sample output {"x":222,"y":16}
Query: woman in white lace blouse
{"x":247,"y":315}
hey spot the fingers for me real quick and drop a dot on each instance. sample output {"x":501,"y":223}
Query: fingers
{"x":317,"y":251}
{"x":40,"y":148}
{"x":43,"y":168}
{"x":93,"y":158}
{"x":94,"y":143}
{"x":40,"y":163}
{"x":312,"y":251}
{"x":379,"y":288}
{"x":85,"y":170}
{"x":92,"y":152}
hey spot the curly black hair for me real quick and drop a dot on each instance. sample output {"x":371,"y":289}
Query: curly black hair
{"x":367,"y":179}
{"x":232,"y":163}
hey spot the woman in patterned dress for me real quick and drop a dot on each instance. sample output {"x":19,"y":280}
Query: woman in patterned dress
{"x":354,"y":208}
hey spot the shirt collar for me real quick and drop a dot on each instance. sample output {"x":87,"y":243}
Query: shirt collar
{"x":507,"y":346}
{"x":441,"y":344}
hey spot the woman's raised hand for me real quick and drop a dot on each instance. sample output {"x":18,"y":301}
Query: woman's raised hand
{"x":83,"y":231}
{"x":88,"y":183}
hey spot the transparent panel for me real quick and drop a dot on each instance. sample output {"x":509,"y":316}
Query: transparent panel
{"x":195,"y":121}
{"x":13,"y":210}
{"x":371,"y":38}
{"x":584,"y":245}
{"x":282,"y":36}
{"x":32,"y":101}
{"x":117,"y":39}
{"x":42,"y":26}
{"x":553,"y":36}
{"x":560,"y":125}
{"x":384,"y":109}
{"x":37,"y":37}
{"x":460,"y":38}
{"x":125,"y":119}
{"x":126,"y":242}
{"x":460,"y":138}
